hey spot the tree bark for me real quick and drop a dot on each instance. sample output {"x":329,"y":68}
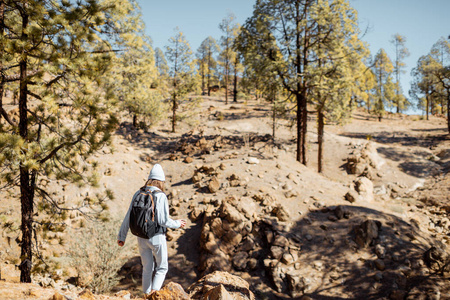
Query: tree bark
{"x":134,"y":120}
{"x":227,"y":71}
{"x":235,"y":80}
{"x":304,"y":127}
{"x":299,"y":128}
{"x":174,"y":112}
{"x":274,"y":119}
{"x":203,"y":79}
{"x":448,"y":111}
{"x":26,"y":188}
{"x":320,"y":131}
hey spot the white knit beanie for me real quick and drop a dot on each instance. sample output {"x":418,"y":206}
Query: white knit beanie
{"x":157,"y":173}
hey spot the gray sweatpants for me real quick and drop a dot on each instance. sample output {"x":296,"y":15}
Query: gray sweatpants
{"x":154,"y":258}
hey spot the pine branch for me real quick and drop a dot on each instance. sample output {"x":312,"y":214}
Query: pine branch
{"x":34,"y":95}
{"x":54,"y":151}
{"x":66,"y":144}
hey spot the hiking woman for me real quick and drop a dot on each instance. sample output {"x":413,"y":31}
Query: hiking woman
{"x":154,"y":248}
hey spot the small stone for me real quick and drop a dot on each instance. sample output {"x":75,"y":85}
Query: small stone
{"x":380,"y":265}
{"x":334,"y":275}
{"x":378,"y":276}
{"x":188,"y":159}
{"x":380,"y":251}
{"x":318,"y":265}
{"x":240,"y":260}
{"x":253,"y":161}
{"x":397,"y":295}
{"x":287,"y":258}
{"x":123,"y":294}
{"x":276,"y":252}
{"x":281,"y":241}
{"x":351,"y":196}
{"x":214,"y":185}
{"x":332,"y":218}
{"x":308,"y":237}
{"x":252,"y":263}
{"x":57,"y":296}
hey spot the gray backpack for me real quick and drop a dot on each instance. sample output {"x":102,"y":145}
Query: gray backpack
{"x":143,"y":222}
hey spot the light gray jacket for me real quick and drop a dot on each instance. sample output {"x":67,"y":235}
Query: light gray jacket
{"x":162,"y":215}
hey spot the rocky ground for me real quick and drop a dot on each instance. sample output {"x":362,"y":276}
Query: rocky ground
{"x":374,"y":225}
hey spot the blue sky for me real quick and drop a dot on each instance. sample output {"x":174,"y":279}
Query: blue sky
{"x":422,"y":22}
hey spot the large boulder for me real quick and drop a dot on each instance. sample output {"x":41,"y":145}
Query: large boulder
{"x":221,"y":284}
{"x":364,"y":187}
{"x":170,"y":291}
{"x":367,"y":232}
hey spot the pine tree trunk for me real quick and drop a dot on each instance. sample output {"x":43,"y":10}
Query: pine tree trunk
{"x":235,"y":81}
{"x":226,"y":83}
{"x":26,"y":190}
{"x":174,"y":112}
{"x":274,"y":120}
{"x":427,"y":109}
{"x":208,"y":74}
{"x":448,"y":111}
{"x":299,"y":127}
{"x":320,"y":131}
{"x":134,"y":120}
{"x":203,"y":82}
{"x":304,"y":128}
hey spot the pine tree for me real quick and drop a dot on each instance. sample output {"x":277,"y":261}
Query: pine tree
{"x":161,"y":62}
{"x":206,"y":61}
{"x":290,"y":29}
{"x":57,"y":52}
{"x":440,"y":52}
{"x":401,"y":52}
{"x":431,"y":80}
{"x":338,"y":66}
{"x":262,"y":72}
{"x":227,"y":56}
{"x":134,"y":79}
{"x":181,"y":72}
{"x":384,"y":88}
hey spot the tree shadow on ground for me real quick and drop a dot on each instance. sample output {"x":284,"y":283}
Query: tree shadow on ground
{"x":183,"y":265}
{"x":400,"y":138}
{"x":338,"y":268}
{"x":397,"y":154}
{"x":166,"y":146}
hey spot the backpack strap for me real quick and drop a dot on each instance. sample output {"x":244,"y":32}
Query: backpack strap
{"x":144,"y":191}
{"x":154,"y":203}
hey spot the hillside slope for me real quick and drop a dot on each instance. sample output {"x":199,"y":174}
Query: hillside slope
{"x":229,"y":158}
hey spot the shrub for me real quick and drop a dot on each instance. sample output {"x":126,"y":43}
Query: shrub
{"x":94,"y":254}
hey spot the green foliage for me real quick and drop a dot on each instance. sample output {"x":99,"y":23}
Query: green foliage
{"x":311,"y":49}
{"x":181,"y":72}
{"x":384,"y":88}
{"x":94,"y":254}
{"x":161,"y":62}
{"x":431,"y":80}
{"x":207,"y":63}
{"x":58,"y":54}
{"x":228,"y":55}
{"x":135,"y":76}
{"x":401,"y":52}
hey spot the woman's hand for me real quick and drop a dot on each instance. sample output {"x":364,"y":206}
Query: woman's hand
{"x":183,"y":223}
{"x":120,"y":243}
